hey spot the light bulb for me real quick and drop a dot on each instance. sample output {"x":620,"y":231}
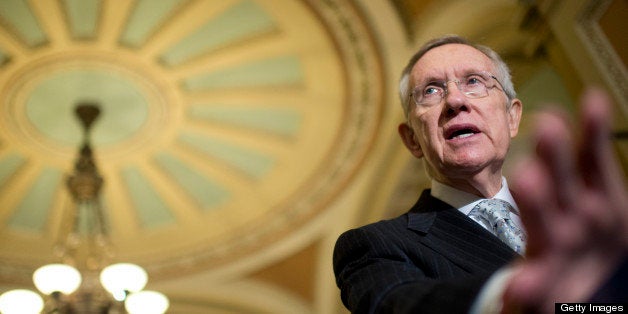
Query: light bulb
{"x":121,"y":278}
{"x":146,"y":302}
{"x":57,"y":277}
{"x":21,"y":301}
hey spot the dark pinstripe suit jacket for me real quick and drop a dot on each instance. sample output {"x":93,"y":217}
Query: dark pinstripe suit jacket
{"x":432,"y":259}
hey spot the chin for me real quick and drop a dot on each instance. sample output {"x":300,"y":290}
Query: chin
{"x":468,"y":165}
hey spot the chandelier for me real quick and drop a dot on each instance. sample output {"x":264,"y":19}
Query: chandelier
{"x":84,"y":282}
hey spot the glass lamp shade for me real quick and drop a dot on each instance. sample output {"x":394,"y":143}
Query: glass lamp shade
{"x":121,"y":278}
{"x":21,"y":301}
{"x":57,"y":277}
{"x":147,"y":302}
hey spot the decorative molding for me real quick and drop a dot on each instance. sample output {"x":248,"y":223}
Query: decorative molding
{"x":610,"y":66}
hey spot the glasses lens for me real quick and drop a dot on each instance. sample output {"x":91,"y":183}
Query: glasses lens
{"x":475,"y":85}
{"x":428,"y":95}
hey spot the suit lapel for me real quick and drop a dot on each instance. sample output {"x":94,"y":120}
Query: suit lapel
{"x":455,"y":236}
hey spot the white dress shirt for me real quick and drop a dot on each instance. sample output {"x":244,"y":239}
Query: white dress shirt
{"x":465,"y":202}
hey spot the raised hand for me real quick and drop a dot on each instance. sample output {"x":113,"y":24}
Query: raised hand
{"x":574,"y":205}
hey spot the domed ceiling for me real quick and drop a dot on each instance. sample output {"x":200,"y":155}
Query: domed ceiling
{"x":238,"y":138}
{"x":224,"y":126}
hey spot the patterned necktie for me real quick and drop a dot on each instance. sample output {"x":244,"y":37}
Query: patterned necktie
{"x":494,"y":215}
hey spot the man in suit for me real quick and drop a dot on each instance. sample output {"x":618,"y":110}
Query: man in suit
{"x":444,"y":257}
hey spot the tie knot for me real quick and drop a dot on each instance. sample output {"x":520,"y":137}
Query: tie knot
{"x":494,"y":215}
{"x":496,"y":207}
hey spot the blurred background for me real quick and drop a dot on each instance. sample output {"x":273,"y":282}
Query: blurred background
{"x":238,"y":138}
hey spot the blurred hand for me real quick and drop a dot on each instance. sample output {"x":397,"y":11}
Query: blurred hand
{"x":574,"y":205}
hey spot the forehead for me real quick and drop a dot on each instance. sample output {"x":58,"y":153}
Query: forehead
{"x":448,"y":61}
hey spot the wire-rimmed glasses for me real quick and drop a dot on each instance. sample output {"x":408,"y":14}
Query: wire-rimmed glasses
{"x":473,"y":85}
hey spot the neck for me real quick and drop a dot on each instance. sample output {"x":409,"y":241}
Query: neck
{"x":482,"y":184}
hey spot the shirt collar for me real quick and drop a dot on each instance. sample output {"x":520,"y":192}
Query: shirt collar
{"x":464,"y":201}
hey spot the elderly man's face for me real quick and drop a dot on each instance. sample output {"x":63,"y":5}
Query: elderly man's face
{"x":459,"y":136}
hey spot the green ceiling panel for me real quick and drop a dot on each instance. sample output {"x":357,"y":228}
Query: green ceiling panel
{"x":252,"y":163}
{"x":9,"y":166}
{"x":20,"y":18}
{"x":150,"y":208}
{"x":31,"y":214}
{"x":147,"y":16}
{"x":83,"y":17}
{"x":284,"y":122}
{"x":278,"y":71}
{"x":50,"y":106}
{"x":241,"y":21}
{"x":207,"y":193}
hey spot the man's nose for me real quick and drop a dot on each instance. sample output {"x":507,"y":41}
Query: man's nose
{"x":455,"y":100}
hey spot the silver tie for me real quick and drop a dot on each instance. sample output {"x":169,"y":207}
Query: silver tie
{"x":494,"y":215}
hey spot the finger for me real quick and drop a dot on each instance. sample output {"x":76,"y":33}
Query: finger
{"x":530,"y":186}
{"x":552,"y":199}
{"x":595,"y":144}
{"x":600,"y":169}
{"x":597,"y":156}
{"x":555,"y":151}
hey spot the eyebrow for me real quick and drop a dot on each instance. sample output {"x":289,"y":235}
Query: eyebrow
{"x":428,"y":80}
{"x":433,"y":78}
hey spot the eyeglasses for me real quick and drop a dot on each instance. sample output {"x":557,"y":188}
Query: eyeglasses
{"x":474,"y":85}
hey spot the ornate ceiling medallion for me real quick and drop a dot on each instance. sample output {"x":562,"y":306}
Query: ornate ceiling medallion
{"x":226,"y":126}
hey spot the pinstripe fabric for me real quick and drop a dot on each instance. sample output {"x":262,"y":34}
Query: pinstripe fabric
{"x":432,"y":259}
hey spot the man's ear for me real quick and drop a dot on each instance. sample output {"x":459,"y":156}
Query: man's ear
{"x":410,"y":140}
{"x":514,"y":116}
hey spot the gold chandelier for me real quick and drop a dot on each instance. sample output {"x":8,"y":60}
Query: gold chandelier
{"x":84,"y":282}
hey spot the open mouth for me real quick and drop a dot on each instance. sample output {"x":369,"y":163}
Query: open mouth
{"x":461,"y":132}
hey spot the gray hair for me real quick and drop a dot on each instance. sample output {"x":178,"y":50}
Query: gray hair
{"x":503,"y":72}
